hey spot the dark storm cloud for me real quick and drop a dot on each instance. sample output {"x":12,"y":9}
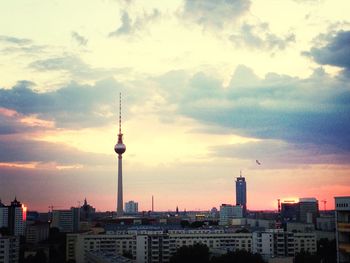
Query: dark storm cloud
{"x":129,"y":26}
{"x":260,"y":37}
{"x":298,"y":111}
{"x":71,"y":106}
{"x":81,"y":40}
{"x":21,"y":150}
{"x":335,"y":53}
{"x":214,"y":13}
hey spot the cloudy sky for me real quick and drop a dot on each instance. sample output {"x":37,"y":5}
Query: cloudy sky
{"x":208,"y":87}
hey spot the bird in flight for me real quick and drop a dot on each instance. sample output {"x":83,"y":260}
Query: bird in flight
{"x":257,"y":161}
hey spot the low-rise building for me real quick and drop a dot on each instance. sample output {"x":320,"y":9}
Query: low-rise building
{"x":158,"y":245}
{"x":105,"y":257}
{"x":153,"y":245}
{"x":279,"y":243}
{"x":131,"y":207}
{"x":229,"y":212}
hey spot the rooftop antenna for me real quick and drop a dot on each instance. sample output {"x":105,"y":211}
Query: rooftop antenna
{"x":324,"y":204}
{"x":152,"y":204}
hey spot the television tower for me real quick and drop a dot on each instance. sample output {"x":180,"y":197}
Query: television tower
{"x":120,"y":148}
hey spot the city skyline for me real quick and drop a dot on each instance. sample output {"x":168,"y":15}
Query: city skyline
{"x":208,"y":90}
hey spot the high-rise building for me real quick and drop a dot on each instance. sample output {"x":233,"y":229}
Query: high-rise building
{"x":3,"y":215}
{"x":131,"y":207}
{"x":308,"y":210}
{"x":120,"y":148}
{"x":66,"y":220}
{"x":241,"y":192}
{"x":289,"y":210}
{"x":86,"y":211}
{"x":342,"y":219}
{"x":17,"y":214}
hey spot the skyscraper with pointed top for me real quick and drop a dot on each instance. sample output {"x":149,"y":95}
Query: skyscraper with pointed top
{"x":120,"y":148}
{"x":241,"y":192}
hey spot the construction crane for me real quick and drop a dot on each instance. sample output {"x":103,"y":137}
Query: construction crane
{"x":51,"y":207}
{"x":324,"y":204}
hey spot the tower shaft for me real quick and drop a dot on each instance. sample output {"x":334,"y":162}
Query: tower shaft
{"x":120,"y":211}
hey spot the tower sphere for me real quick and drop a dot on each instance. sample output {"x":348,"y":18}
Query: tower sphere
{"x":119,"y":148}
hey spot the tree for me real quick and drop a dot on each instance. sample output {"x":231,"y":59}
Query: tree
{"x":40,"y":257}
{"x":239,"y":256}
{"x":327,"y":250}
{"x":198,"y":253}
{"x":306,"y":257}
{"x":127,"y":254}
{"x":5,"y":231}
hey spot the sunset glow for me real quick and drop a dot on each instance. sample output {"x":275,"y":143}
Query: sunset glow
{"x":207,"y":90}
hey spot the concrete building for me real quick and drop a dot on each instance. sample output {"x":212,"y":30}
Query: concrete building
{"x":37,"y":232}
{"x":325,"y":223}
{"x":87,"y":212}
{"x":17,"y":213}
{"x":66,"y":220}
{"x":9,"y":249}
{"x":157,"y":245}
{"x":229,"y":212}
{"x":153,"y":245}
{"x":241,"y":192}
{"x":131,"y":207}
{"x":308,"y":210}
{"x":3,"y":215}
{"x":279,"y":243}
{"x":299,"y":227}
{"x":106,"y":257}
{"x":342,"y":219}
{"x":261,"y":223}
{"x":289,"y":210}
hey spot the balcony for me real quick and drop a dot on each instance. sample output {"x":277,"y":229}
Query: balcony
{"x":344,"y":227}
{"x":344,"y":247}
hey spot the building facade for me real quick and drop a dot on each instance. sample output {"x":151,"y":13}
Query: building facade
{"x":342,"y":218}
{"x":66,"y":220}
{"x":17,"y":214}
{"x":9,"y":249}
{"x":308,"y":210}
{"x":279,"y":243}
{"x":241,"y":192}
{"x":37,"y":232}
{"x":3,"y":215}
{"x":131,"y":207}
{"x":154,"y":246}
{"x":229,"y":212}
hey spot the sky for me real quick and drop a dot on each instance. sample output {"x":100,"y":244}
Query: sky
{"x":208,"y":87}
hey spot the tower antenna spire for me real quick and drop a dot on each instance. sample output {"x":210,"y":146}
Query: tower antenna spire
{"x":120,"y":113}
